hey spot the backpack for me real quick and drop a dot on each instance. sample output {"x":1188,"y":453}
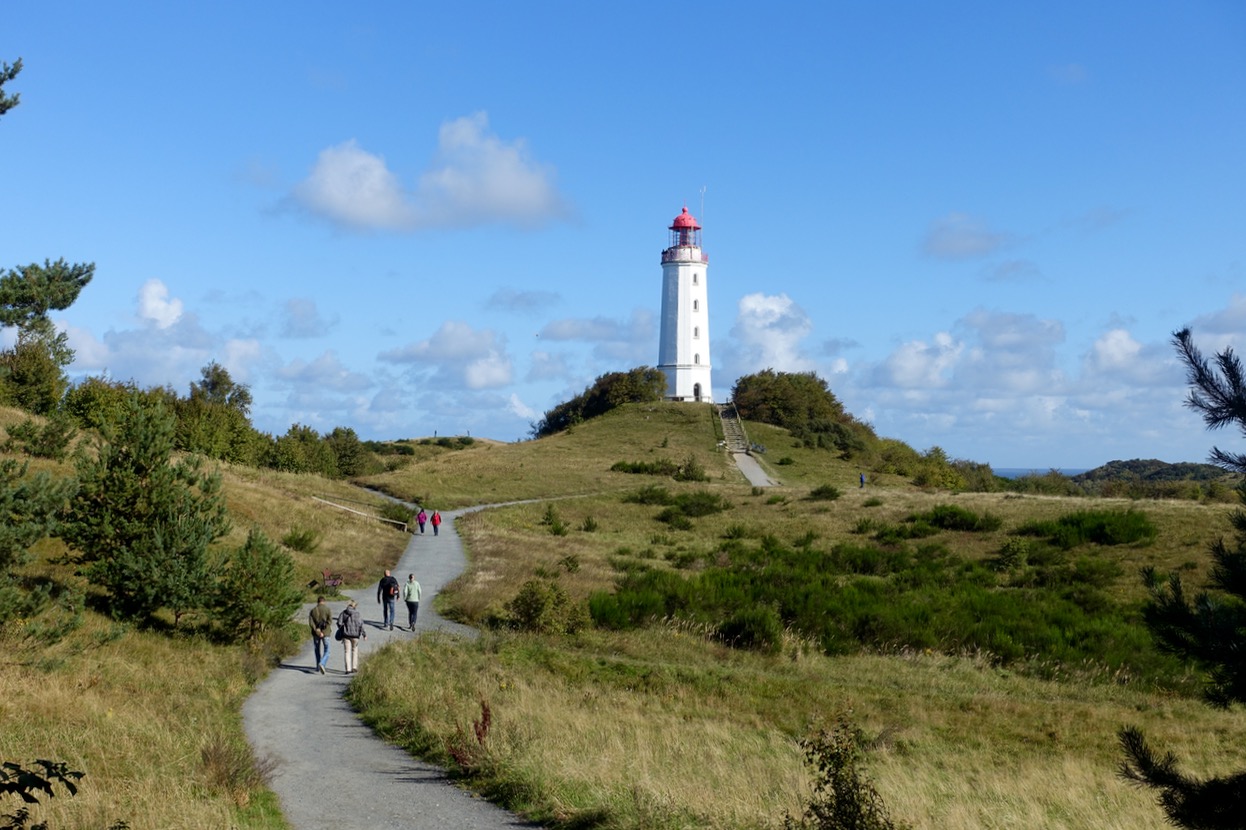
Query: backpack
{"x":392,"y":590}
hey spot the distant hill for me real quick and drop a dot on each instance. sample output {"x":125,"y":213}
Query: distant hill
{"x":1152,"y":469}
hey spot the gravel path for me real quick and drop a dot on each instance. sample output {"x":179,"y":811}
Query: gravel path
{"x":752,"y":470}
{"x":332,"y":771}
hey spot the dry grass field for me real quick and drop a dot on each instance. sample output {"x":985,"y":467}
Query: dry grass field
{"x":661,"y":727}
{"x":152,"y":718}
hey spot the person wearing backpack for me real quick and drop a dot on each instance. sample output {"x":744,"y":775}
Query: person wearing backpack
{"x":350,"y":626}
{"x":387,"y":595}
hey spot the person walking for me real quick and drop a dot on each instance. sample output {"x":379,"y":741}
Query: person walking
{"x":350,"y":622}
{"x":411,"y":596}
{"x":421,"y":518}
{"x":319,"y":620}
{"x":387,"y":595}
{"x":436,"y":521}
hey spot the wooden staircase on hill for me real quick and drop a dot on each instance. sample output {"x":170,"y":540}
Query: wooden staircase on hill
{"x":733,"y":431}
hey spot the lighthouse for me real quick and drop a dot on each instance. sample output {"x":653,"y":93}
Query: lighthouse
{"x":684,"y":344}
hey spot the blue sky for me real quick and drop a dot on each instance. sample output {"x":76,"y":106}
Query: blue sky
{"x":979,"y":222}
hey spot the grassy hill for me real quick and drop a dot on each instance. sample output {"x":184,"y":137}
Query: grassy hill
{"x":153,"y":717}
{"x":665,"y":723}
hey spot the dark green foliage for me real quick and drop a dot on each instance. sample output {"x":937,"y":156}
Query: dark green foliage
{"x":215,"y":386}
{"x":300,"y":450}
{"x":1211,"y":629}
{"x":802,"y":403}
{"x":785,"y":461}
{"x":554,"y":522}
{"x":1102,"y":527}
{"x":544,"y":607}
{"x":872,"y":596}
{"x":691,"y":470}
{"x":843,"y":798}
{"x":351,"y":457}
{"x":661,"y":467}
{"x":1212,"y":804}
{"x":28,"y":512}
{"x":824,"y":492}
{"x":652,"y":494}
{"x":952,"y":517}
{"x":96,"y":403}
{"x":754,"y":628}
{"x":258,"y":592}
{"x":29,"y":292}
{"x":8,"y":73}
{"x":641,"y":385}
{"x":51,"y":440}
{"x":398,"y":512}
{"x":142,"y":524}
{"x":304,"y":540}
{"x":589,"y":525}
{"x":32,"y":375}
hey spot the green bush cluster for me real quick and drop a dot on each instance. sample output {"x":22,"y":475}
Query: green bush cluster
{"x":661,"y":467}
{"x":542,"y":606}
{"x":868,"y":596}
{"x":1102,"y":527}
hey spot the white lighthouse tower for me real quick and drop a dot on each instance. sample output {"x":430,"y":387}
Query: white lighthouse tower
{"x":684,"y":345}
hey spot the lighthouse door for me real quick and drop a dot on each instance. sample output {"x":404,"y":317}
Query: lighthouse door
{"x":696,"y":392}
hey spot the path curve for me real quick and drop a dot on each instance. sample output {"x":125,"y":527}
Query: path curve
{"x":332,"y":771}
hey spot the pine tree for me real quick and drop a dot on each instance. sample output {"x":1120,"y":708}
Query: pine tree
{"x":257,"y":589}
{"x":1209,"y":629}
{"x":143,"y":524}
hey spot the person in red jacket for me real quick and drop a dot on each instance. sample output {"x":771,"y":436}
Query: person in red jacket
{"x":436,"y":521}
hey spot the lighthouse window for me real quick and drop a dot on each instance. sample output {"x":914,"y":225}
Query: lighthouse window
{"x":695,"y":279}
{"x":696,"y":304}
{"x":696,"y":331}
{"x":696,"y":358}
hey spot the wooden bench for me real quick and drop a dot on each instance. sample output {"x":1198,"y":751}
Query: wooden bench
{"x":331,"y":580}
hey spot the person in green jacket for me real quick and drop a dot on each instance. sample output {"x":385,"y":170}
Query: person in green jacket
{"x":411,"y":596}
{"x":319,"y":620}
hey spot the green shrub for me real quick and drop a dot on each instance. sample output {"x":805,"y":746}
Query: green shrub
{"x":397,"y":512}
{"x":661,"y":467}
{"x":753,"y":629}
{"x":785,"y":461}
{"x":1102,"y":527}
{"x":544,"y":607}
{"x":872,"y":501}
{"x":589,"y":525}
{"x":691,"y":470}
{"x":51,"y":440}
{"x":952,"y":517}
{"x":651,"y":494}
{"x":843,"y":798}
{"x":304,"y":540}
{"x":824,"y":492}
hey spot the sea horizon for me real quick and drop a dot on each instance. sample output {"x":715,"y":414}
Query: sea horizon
{"x":1017,"y":472}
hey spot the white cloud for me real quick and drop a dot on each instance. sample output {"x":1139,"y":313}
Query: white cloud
{"x":522,"y":410}
{"x":154,"y":304}
{"x":524,"y":302}
{"x":921,"y":365}
{"x":768,"y":333}
{"x":481,"y":178}
{"x":326,"y":372}
{"x":301,"y":319}
{"x":352,"y":187}
{"x":476,"y":178}
{"x":959,"y":236}
{"x":458,"y":356}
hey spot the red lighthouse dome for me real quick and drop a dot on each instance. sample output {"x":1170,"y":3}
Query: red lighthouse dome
{"x":685,"y":222}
